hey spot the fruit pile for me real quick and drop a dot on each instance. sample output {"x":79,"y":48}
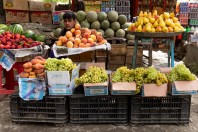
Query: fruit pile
{"x":151,"y":22}
{"x":181,"y":73}
{"x":93,"y":75}
{"x":10,"y":40}
{"x":34,"y":69}
{"x":79,"y":37}
{"x":53,"y":64}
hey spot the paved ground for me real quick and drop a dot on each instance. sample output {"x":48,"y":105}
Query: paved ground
{"x":7,"y":126}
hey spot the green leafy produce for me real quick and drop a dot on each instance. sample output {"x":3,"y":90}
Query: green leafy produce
{"x":93,"y":75}
{"x":123,"y":74}
{"x":53,"y":64}
{"x":139,"y":73}
{"x":181,"y":73}
{"x":151,"y":75}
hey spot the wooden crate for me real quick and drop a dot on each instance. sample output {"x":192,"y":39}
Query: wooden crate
{"x":83,"y":57}
{"x":117,"y":59}
{"x":129,"y":60}
{"x":101,"y":59}
{"x":118,"y":49}
{"x":129,"y":51}
{"x":101,"y":53}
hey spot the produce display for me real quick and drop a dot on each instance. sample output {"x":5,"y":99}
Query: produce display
{"x":93,"y":75}
{"x":123,"y":74}
{"x":139,"y":74}
{"x":181,"y":73}
{"x":79,"y":37}
{"x":151,"y":22}
{"x":53,"y":64}
{"x":10,"y":40}
{"x":34,"y":69}
{"x":152,"y":75}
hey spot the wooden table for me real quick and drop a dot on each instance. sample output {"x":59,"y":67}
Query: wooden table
{"x":168,"y":36}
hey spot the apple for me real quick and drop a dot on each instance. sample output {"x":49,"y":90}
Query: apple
{"x":1,"y":46}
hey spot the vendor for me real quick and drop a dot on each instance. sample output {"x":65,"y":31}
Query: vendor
{"x":69,"y":21}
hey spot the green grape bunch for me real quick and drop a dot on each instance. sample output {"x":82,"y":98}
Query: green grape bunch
{"x":93,"y":75}
{"x":123,"y":74}
{"x":181,"y":73}
{"x":53,"y":64}
{"x":139,"y":73}
{"x":152,"y":75}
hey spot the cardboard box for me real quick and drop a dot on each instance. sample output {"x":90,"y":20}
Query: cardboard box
{"x":96,"y":89}
{"x":55,"y":16}
{"x":60,"y":82}
{"x":183,"y":87}
{"x":42,"y":6}
{"x":15,"y":4}
{"x":152,"y":90}
{"x":16,"y":16}
{"x":123,"y":88}
{"x":41,"y":17}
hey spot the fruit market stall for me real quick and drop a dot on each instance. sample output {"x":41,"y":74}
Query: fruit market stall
{"x":151,"y":25}
{"x":17,"y":46}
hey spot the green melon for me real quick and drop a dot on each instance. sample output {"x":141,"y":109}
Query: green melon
{"x":102,"y":16}
{"x":126,"y":25}
{"x":3,"y":27}
{"x":122,"y":19}
{"x":130,"y":37}
{"x":16,"y":28}
{"x":95,"y":25}
{"x":1,"y":31}
{"x":120,"y":33}
{"x":109,"y":33}
{"x":115,"y":26}
{"x":85,"y":24}
{"x":40,"y":38}
{"x":57,"y":32}
{"x":61,"y":16}
{"x":29,"y":34}
{"x":92,"y":16}
{"x":112,"y":16}
{"x":105,"y":24}
{"x":81,"y":16}
{"x":62,"y":25}
{"x":100,"y":30}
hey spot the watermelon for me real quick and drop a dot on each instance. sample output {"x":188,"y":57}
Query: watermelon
{"x":34,"y":37}
{"x":3,"y":27}
{"x":16,"y":28}
{"x":57,"y":32}
{"x":1,"y":31}
{"x":29,"y":34}
{"x":40,"y":38}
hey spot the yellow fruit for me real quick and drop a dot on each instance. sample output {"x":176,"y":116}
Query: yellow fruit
{"x":139,"y":29}
{"x":148,"y":29}
{"x":176,"y":29}
{"x":168,"y":22}
{"x":162,"y":24}
{"x":154,"y":12}
{"x":146,"y":20}
{"x":141,"y":14}
{"x":165,"y":29}
{"x":152,"y":20}
{"x":172,"y":15}
{"x":155,"y":24}
{"x":153,"y":30}
{"x":145,"y":14}
{"x":175,"y":19}
{"x":170,"y":29}
{"x":166,"y":15}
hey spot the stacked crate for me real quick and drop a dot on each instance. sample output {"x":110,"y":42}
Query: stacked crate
{"x":129,"y":56}
{"x":123,"y":7}
{"x":117,"y":54}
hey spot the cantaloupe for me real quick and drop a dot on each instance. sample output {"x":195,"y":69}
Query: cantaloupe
{"x":109,"y":33}
{"x":81,"y":16}
{"x":91,"y":16}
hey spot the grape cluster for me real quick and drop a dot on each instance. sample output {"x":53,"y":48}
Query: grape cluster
{"x":53,"y":64}
{"x":139,"y":74}
{"x":123,"y":74}
{"x":151,"y":75}
{"x":181,"y":73}
{"x":93,"y":75}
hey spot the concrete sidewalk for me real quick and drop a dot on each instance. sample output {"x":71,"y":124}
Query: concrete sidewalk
{"x":7,"y":126}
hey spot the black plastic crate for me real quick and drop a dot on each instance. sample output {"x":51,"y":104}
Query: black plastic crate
{"x":52,"y":109}
{"x":160,"y":110}
{"x":98,"y":109}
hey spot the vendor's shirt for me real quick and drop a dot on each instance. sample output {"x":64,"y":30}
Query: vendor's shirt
{"x":63,"y":32}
